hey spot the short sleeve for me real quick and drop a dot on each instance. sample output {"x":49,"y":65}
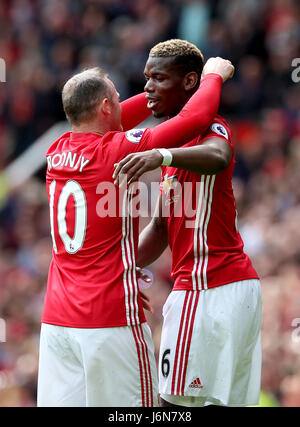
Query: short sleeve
{"x":117,"y":145}
{"x":134,"y":135}
{"x":220,"y":129}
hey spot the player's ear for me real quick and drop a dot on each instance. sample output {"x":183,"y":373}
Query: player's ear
{"x":105,"y":106}
{"x":190,"y":80}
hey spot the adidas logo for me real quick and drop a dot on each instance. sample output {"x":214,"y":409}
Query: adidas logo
{"x":196,"y":384}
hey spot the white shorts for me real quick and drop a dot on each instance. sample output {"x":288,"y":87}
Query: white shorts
{"x":210,"y":351}
{"x":97,"y":367}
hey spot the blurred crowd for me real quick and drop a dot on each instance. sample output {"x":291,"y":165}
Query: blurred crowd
{"x":43,"y":42}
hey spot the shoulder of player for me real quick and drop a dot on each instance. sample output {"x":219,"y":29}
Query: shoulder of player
{"x":62,"y":139}
{"x":130,"y":138}
{"x":137,"y":134}
{"x":117,"y":145}
{"x":220,"y":126}
{"x":66,"y":140}
{"x":223,"y":121}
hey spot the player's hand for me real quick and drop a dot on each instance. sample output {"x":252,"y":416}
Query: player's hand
{"x":145,"y":299}
{"x":146,"y":302}
{"x":135,"y":165}
{"x":141,"y":274}
{"x":220,"y":66}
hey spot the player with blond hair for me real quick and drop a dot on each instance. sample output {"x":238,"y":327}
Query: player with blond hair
{"x":210,"y":350}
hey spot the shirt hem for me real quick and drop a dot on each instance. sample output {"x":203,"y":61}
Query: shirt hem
{"x":84,"y":326}
{"x":206,"y":400}
{"x":189,"y":286}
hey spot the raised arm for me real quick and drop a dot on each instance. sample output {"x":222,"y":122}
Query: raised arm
{"x":198,"y":112}
{"x":194,"y":118}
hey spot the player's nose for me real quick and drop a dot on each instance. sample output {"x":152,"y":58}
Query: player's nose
{"x":149,"y":87}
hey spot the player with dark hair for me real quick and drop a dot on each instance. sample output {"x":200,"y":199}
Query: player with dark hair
{"x":210,"y":351}
{"x":95,"y":346}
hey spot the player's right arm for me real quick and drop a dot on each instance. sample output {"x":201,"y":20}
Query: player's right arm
{"x":196,"y":115}
{"x":134,"y":109}
{"x":153,"y":240}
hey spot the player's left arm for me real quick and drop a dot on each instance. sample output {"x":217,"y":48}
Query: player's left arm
{"x":210,"y":157}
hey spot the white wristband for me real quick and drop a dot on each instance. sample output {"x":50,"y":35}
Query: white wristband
{"x":167,"y":156}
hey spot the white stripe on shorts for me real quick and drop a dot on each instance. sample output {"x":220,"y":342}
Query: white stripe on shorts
{"x":183,"y":342}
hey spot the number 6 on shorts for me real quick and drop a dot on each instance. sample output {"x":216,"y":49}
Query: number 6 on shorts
{"x":165,"y":363}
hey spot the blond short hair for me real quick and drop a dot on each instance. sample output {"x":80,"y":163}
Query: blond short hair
{"x":175,"y":47}
{"x":186,"y":56}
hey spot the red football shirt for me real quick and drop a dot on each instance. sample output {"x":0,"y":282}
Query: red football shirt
{"x":92,"y":280}
{"x":207,"y":249}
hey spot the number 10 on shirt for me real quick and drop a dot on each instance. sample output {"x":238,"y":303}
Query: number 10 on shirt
{"x":71,"y":188}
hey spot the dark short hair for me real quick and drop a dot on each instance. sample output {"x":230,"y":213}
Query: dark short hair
{"x":83,"y":92}
{"x":187,"y":56}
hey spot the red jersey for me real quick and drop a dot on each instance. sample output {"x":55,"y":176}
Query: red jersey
{"x":207,"y":249}
{"x":92,"y":278}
